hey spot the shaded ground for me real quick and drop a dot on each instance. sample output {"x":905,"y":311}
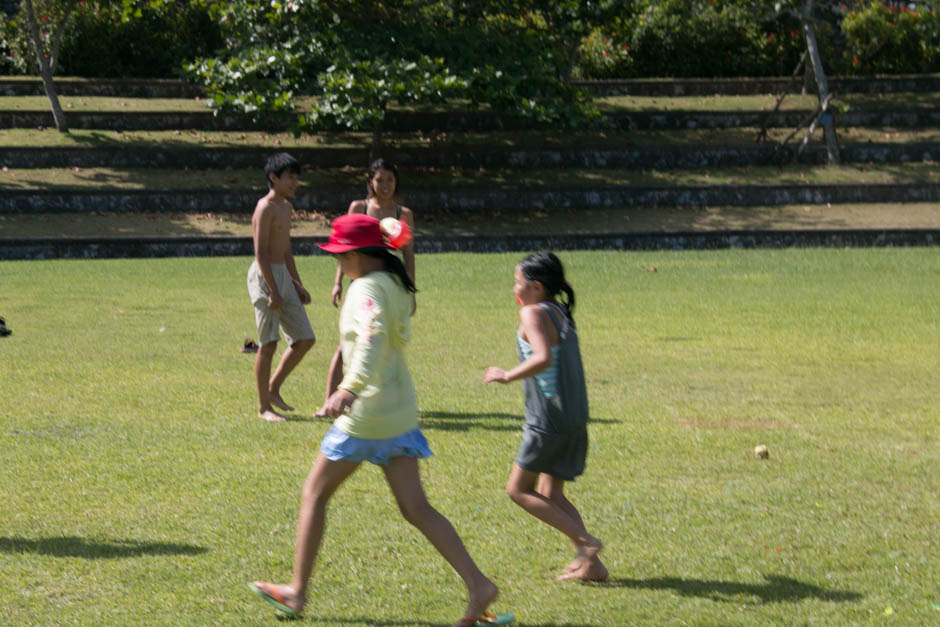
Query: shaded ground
{"x":678,"y":219}
{"x":444,"y":178}
{"x":79,"y":138}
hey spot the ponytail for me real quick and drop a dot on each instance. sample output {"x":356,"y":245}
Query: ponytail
{"x":547,"y":269}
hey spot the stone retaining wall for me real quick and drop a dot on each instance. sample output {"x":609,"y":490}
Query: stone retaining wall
{"x":84,"y":200}
{"x":752,"y":86}
{"x":661,"y":157}
{"x":115,"y":88}
{"x":88,"y":248}
{"x":157,"y":88}
{"x":462,"y":121}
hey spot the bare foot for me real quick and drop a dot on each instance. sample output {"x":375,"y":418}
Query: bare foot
{"x":593,"y":570}
{"x":480,"y":598}
{"x":280,"y":596}
{"x":271,"y":416}
{"x":584,"y":555}
{"x":278,"y":402}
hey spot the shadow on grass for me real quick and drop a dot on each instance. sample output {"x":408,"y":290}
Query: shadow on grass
{"x":458,"y":421}
{"x":777,"y":589}
{"x":70,"y":546}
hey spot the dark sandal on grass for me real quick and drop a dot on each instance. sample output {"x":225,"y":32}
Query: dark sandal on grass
{"x":249,"y":346}
{"x":4,"y":331}
{"x":267,"y":592}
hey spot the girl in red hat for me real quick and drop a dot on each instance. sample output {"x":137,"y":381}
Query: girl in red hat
{"x":383,"y":195}
{"x":376,"y":418}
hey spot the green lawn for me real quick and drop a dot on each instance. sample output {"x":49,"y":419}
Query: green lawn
{"x":138,"y":488}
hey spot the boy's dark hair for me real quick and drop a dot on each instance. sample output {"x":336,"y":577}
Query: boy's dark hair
{"x":278,"y":164}
{"x":382,"y":164}
{"x":546,"y":268}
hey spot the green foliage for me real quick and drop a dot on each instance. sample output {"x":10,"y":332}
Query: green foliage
{"x":107,"y":40}
{"x":725,"y":38}
{"x":357,"y":58}
{"x":886,"y":39}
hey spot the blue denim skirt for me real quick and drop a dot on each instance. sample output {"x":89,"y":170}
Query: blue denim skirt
{"x":340,"y":446}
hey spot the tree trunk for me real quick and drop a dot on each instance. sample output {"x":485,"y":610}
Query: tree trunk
{"x":822,"y":84}
{"x":45,"y":67}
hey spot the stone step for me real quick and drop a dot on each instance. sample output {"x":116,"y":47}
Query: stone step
{"x":98,"y":248}
{"x":662,"y":157}
{"x":915,"y":83}
{"x":167,"y":88}
{"x":464,"y":121}
{"x":510,"y":198}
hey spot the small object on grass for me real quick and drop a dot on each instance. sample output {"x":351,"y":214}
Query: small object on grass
{"x":761,"y":451}
{"x":4,"y":331}
{"x":249,"y":346}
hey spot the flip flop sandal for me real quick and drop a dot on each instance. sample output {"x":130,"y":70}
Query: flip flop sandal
{"x":274,"y":597}
{"x":249,"y":346}
{"x":4,"y":331}
{"x":490,"y":619}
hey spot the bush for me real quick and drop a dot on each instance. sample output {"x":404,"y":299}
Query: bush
{"x":727,"y":38}
{"x":97,"y":44}
{"x":891,"y":40}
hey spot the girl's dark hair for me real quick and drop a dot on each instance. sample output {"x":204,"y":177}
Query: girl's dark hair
{"x":546,"y":268}
{"x":375,"y":166}
{"x":392,"y":263}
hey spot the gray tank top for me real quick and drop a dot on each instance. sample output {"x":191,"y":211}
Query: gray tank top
{"x":566,"y":410}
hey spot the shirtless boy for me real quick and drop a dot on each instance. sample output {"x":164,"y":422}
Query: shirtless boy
{"x":275,"y":287}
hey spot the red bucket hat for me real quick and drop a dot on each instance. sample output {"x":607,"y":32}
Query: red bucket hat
{"x":352,"y":231}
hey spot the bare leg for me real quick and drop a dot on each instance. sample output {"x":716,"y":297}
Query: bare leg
{"x":521,"y":489}
{"x":554,"y":489}
{"x":289,"y":360}
{"x":322,"y":482}
{"x":404,"y":480}
{"x":263,"y":359}
{"x":334,"y":377}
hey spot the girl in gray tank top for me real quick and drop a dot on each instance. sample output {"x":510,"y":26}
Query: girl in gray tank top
{"x":555,"y":440}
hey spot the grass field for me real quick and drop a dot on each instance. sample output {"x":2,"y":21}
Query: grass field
{"x":138,"y":488}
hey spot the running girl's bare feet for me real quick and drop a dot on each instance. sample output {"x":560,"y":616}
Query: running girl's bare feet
{"x":278,"y":402}
{"x":593,"y":570}
{"x":271,"y":416}
{"x":585,"y":554}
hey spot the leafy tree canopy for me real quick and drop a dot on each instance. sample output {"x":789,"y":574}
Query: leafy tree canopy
{"x":347,"y":60}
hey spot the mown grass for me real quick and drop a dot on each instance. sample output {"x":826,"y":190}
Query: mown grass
{"x":240,"y":178}
{"x":138,"y":488}
{"x":549,"y":220}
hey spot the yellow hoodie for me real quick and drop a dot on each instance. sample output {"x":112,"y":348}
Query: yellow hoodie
{"x":374,"y":327}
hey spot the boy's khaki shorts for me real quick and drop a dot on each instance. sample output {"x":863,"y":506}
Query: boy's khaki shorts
{"x":292,"y":319}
